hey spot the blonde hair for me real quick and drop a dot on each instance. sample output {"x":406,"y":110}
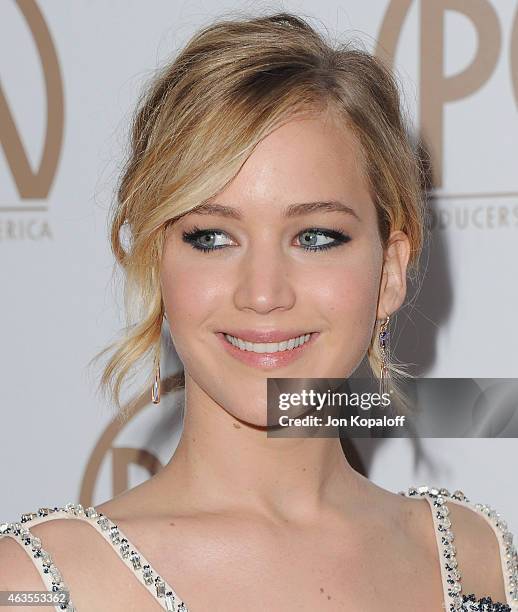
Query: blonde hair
{"x":200,"y":118}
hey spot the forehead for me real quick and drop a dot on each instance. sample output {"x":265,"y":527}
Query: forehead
{"x":310,"y":159}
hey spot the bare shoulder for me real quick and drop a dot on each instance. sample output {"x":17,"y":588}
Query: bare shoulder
{"x":57,"y":536}
{"x":67,"y":541}
{"x":485,"y":560}
{"x":17,"y":571}
{"x":478,"y":551}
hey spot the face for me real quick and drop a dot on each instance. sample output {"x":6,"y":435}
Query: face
{"x":261,"y":270}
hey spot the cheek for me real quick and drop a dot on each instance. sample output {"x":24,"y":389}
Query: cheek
{"x":348,"y":293}
{"x":190,"y":294}
{"x":348,"y":298}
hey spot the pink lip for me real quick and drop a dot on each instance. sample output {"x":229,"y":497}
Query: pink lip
{"x":266,"y":360}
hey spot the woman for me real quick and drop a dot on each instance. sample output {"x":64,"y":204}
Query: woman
{"x":271,"y":195}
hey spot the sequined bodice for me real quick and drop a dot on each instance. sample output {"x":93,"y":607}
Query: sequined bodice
{"x":161,"y":591}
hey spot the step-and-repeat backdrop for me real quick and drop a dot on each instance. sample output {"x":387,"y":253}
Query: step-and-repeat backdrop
{"x":70,"y":77}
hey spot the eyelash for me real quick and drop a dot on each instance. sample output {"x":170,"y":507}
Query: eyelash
{"x":339,"y":237}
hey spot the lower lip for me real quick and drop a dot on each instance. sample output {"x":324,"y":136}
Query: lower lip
{"x":267,"y":360}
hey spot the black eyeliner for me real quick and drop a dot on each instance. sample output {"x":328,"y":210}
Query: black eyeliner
{"x":190,"y":237}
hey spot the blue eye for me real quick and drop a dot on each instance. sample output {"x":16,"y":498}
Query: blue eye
{"x":311,"y":245}
{"x":206,"y":241}
{"x":203,"y":240}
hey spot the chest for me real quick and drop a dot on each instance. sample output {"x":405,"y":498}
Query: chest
{"x":315,"y":586}
{"x":233,"y":570}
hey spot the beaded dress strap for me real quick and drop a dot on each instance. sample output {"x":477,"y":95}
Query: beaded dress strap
{"x":450,"y":574}
{"x":451,"y":577}
{"x":41,"y":559}
{"x":127,"y":552}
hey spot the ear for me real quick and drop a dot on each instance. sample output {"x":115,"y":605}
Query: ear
{"x":393,"y":276}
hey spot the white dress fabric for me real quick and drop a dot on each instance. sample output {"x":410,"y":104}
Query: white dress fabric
{"x":439,"y":499}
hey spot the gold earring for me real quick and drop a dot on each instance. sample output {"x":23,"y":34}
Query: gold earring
{"x":155,"y":389}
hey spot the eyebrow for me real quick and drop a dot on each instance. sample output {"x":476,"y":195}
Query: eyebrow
{"x":293,"y":210}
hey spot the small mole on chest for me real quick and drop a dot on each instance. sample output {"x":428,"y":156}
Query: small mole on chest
{"x":322,"y":590}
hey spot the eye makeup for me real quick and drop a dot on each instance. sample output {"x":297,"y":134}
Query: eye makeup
{"x":203,"y":240}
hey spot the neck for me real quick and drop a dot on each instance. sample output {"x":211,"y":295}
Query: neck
{"x":223,"y":465}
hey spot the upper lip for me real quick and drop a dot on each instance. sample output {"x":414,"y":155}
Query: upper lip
{"x":271,"y":335}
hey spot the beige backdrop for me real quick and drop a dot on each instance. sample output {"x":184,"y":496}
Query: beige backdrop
{"x":69,"y":80}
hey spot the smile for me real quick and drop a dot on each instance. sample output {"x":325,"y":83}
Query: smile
{"x":267,"y":355}
{"x":268,"y":347}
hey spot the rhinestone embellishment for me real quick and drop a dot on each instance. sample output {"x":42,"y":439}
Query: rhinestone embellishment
{"x":511,"y":554}
{"x":143,"y":570}
{"x":458,"y":601}
{"x":42,"y":556}
{"x":168,"y":599}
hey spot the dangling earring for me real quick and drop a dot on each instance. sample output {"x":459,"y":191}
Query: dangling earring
{"x":383,"y":345}
{"x":155,"y":389}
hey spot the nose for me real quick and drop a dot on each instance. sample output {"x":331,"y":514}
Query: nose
{"x":263,"y":281}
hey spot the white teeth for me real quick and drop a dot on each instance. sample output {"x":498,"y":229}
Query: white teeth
{"x":268,"y":347}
